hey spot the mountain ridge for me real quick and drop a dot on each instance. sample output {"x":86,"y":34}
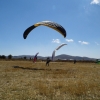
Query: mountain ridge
{"x":61,"y":56}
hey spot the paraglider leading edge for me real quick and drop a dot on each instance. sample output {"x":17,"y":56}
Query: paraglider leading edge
{"x":50,"y":24}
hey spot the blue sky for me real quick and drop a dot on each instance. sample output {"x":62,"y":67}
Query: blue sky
{"x":80,"y":18}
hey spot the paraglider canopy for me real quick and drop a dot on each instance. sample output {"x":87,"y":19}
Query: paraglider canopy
{"x":35,"y":57}
{"x":53,"y":54}
{"x":50,"y":24}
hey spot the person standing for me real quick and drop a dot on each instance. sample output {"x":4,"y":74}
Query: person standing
{"x":74,"y":61}
{"x":48,"y":61}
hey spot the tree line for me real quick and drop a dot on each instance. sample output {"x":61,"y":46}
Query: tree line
{"x":10,"y":57}
{"x":4,"y":57}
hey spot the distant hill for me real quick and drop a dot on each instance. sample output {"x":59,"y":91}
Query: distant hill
{"x":68,"y":57}
{"x":62,"y":57}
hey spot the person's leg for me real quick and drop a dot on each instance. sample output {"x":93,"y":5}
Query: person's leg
{"x":46,"y":63}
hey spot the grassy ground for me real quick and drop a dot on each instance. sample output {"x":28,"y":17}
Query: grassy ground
{"x":24,"y":80}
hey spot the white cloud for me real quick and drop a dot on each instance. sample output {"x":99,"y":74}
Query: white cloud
{"x":95,"y":2}
{"x":97,"y":43}
{"x":56,"y":41}
{"x":83,"y":42}
{"x":69,"y":40}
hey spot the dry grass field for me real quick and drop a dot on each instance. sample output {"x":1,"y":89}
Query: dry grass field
{"x":24,"y":80}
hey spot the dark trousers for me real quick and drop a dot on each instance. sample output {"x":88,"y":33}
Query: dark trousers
{"x":47,"y":63}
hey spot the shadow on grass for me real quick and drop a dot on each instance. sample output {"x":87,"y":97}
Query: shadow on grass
{"x":27,"y":68}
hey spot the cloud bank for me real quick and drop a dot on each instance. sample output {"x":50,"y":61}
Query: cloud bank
{"x":56,"y":41}
{"x":95,"y":2}
{"x":83,"y":42}
{"x":69,"y":40}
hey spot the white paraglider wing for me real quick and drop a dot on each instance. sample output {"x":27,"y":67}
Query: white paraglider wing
{"x":53,"y":54}
{"x":60,"y":46}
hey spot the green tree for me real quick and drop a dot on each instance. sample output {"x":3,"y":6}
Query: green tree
{"x":3,"y":57}
{"x":25,"y":57}
{"x":10,"y":56}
